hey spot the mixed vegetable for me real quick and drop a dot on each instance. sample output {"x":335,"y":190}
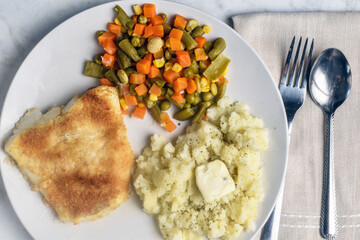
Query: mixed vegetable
{"x":155,"y":65}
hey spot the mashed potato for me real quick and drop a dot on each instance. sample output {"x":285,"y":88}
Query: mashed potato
{"x":165,"y":180}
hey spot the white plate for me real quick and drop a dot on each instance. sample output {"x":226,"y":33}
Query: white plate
{"x":53,"y":72}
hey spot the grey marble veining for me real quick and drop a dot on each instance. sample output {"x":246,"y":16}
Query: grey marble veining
{"x":24,"y":23}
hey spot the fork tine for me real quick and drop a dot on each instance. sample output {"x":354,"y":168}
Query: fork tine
{"x":287,"y":63}
{"x":300,"y":69}
{"x":308,"y":66}
{"x":293,"y":68}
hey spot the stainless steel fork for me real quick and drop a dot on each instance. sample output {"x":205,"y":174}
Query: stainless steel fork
{"x":293,"y":91}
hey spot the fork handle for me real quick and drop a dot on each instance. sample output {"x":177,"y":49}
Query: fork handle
{"x":328,"y":219}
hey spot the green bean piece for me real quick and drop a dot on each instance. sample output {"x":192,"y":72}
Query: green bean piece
{"x":126,"y":46}
{"x":199,"y":115}
{"x":99,"y":33}
{"x":168,"y":95}
{"x":130,"y":71}
{"x":132,"y":89}
{"x":148,"y":84}
{"x":124,"y":79}
{"x":214,"y":89}
{"x":164,"y":16}
{"x":163,"y":92}
{"x":207,"y":46}
{"x":190,"y":98}
{"x":142,"y":41}
{"x":221,"y":90}
{"x":155,"y":111}
{"x":148,"y":103}
{"x":207,"y":96}
{"x":119,"y":88}
{"x":198,"y":85}
{"x":191,"y":25}
{"x":94,"y":70}
{"x":122,"y":59}
{"x":159,"y":82}
{"x":123,"y":29}
{"x":198,"y":31}
{"x":168,"y":55}
{"x":142,"y":51}
{"x":167,"y":28}
{"x":194,"y":67}
{"x":98,"y":59}
{"x":135,"y":41}
{"x":165,"y":105}
{"x":125,"y":20}
{"x":142,"y":19}
{"x":202,"y":66}
{"x":184,"y":115}
{"x":218,"y":48}
{"x":187,"y":105}
{"x":119,"y":38}
{"x":188,"y":72}
{"x":196,"y":100}
{"x":111,"y":75}
{"x":217,"y":67}
{"x":189,"y":42}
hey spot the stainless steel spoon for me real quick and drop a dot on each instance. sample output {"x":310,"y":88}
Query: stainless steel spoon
{"x":329,"y":85}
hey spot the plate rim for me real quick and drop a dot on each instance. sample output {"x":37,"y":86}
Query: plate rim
{"x":218,"y":21}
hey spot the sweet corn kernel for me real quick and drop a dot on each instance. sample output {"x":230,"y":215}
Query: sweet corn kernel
{"x":167,"y":43}
{"x":176,"y":67}
{"x":130,"y":32}
{"x":117,"y":21}
{"x":206,"y":28}
{"x":141,"y":105}
{"x":213,"y":89}
{"x":159,"y":63}
{"x":168,"y":66}
{"x":204,"y":84}
{"x":216,"y":80}
{"x":225,"y":72}
{"x":123,"y":104}
{"x":137,"y":9}
{"x":153,"y":97}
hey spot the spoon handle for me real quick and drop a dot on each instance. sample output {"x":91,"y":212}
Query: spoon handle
{"x":328,"y":219}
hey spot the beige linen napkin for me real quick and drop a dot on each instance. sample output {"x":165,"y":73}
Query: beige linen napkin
{"x":270,"y":34}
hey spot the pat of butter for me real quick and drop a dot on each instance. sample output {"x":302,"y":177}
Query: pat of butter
{"x":213,"y":180}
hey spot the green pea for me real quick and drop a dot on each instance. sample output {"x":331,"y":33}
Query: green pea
{"x":196,"y":100}
{"x":142,"y":19}
{"x":132,"y":89}
{"x":188,"y":73}
{"x":142,"y":42}
{"x":187,"y":105}
{"x":190,"y":98}
{"x":168,"y":55}
{"x":207,"y":96}
{"x":167,"y":28}
{"x":124,"y":79}
{"x":165,"y":105}
{"x":99,"y":33}
{"x":98,"y":59}
{"x":164,"y":16}
{"x":135,"y":41}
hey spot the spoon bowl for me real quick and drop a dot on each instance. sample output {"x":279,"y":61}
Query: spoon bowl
{"x":329,"y":86}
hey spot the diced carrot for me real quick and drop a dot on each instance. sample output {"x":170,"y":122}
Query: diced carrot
{"x":159,"y":54}
{"x":109,"y":47}
{"x":139,"y":29}
{"x":130,"y":100}
{"x":106,"y":82}
{"x":180,"y":21}
{"x":178,"y":97}
{"x":191,"y":86}
{"x":148,"y":57}
{"x":200,"y":41}
{"x":170,"y":126}
{"x":143,"y":66}
{"x":148,"y":31}
{"x":170,"y":76}
{"x":141,"y":89}
{"x":155,"y":90}
{"x":107,"y":36}
{"x":108,"y":60}
{"x":125,"y":112}
{"x":175,"y":44}
{"x":161,"y":98}
{"x":137,"y":78}
{"x":139,"y":112}
{"x":158,"y":31}
{"x":183,"y":58}
{"x":200,"y":54}
{"x":134,"y":18}
{"x":164,"y":117}
{"x":125,"y":89}
{"x":149,"y":10}
{"x":176,"y":33}
{"x":154,"y":71}
{"x":157,"y":20}
{"x":180,"y":84}
{"x":204,"y":117}
{"x":114,"y":28}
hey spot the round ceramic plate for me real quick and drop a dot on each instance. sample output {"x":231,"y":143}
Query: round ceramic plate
{"x":53,"y":73}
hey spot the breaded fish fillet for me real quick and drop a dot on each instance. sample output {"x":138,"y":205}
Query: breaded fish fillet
{"x":78,"y":157}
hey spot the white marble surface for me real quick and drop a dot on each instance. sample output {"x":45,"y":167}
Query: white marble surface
{"x":24,"y":23}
